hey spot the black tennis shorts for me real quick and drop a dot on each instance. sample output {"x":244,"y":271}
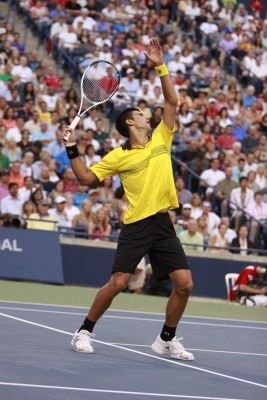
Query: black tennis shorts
{"x":156,"y":237}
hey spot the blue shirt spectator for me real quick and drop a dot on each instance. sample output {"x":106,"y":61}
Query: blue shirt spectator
{"x":62,"y":161}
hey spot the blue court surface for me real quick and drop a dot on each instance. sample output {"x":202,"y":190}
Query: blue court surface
{"x":37,"y":362}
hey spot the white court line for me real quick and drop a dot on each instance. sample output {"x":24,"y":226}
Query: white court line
{"x":201,"y":350}
{"x":143,"y":319}
{"x":135,"y":318}
{"x":141,"y":353}
{"x":175,"y":396}
{"x":133,"y":312}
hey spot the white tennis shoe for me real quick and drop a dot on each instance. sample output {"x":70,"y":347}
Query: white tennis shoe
{"x":82,"y":341}
{"x":173,"y":348}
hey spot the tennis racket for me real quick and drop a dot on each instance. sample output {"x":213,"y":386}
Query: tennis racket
{"x":99,"y":83}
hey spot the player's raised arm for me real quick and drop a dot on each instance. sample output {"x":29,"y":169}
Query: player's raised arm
{"x":84,"y":175}
{"x":155,"y":55}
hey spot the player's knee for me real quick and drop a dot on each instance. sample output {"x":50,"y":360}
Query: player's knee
{"x":184,"y":288}
{"x":119,"y":282}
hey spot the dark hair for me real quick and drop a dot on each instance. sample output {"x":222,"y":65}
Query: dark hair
{"x":120,"y":123}
{"x":11,"y":185}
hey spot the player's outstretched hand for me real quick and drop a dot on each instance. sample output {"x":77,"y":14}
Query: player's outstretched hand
{"x":154,"y":53}
{"x":68,"y":136}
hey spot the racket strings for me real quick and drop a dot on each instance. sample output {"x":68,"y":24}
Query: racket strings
{"x":100,"y":82}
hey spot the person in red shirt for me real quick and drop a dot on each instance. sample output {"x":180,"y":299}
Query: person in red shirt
{"x":226,"y":140}
{"x":70,"y":182}
{"x":250,"y":288}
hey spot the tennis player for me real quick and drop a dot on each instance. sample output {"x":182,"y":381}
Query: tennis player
{"x":145,"y":169}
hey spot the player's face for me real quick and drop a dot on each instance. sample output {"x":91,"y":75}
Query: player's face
{"x":140,"y":120}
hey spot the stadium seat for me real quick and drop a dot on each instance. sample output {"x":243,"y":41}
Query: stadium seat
{"x":230,"y":279}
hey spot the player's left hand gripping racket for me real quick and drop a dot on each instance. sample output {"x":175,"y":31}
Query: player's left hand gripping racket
{"x":99,"y":83}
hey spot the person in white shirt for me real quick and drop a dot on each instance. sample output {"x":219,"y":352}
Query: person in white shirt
{"x":240,"y":199}
{"x":59,"y":213}
{"x":90,"y":121}
{"x":25,"y":191}
{"x":208,"y":29}
{"x":58,"y":27}
{"x":257,"y":209}
{"x":176,"y":65}
{"x":11,"y":203}
{"x":210,"y":177}
{"x":70,"y":209}
{"x":230,"y":234}
{"x":22,"y":72}
{"x":213,"y":221}
{"x":26,"y":167}
{"x":87,"y":22}
{"x":130,"y":83}
{"x":69,"y":39}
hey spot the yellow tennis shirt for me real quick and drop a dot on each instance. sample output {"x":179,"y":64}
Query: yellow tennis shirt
{"x":146,"y":175}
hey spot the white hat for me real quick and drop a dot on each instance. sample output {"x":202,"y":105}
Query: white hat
{"x":60,"y":199}
{"x":125,"y":62}
{"x":129,"y":71}
{"x":187,"y":205}
{"x":212,"y":100}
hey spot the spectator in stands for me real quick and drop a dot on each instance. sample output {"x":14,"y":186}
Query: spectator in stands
{"x":183,"y":194}
{"x":241,"y":244}
{"x":185,"y":216}
{"x":261,"y":177}
{"x":223,"y":192}
{"x":240,"y":199}
{"x":250,"y":288}
{"x":33,"y":124}
{"x":16,"y":175}
{"x":26,"y":190}
{"x":190,"y":238}
{"x":80,"y":221}
{"x":42,"y":220}
{"x":99,"y":228}
{"x":4,"y":181}
{"x":4,"y":160}
{"x":22,"y":73}
{"x":37,"y":195}
{"x":11,"y":203}
{"x":252,"y":184}
{"x":213,"y":220}
{"x":249,"y":97}
{"x":69,"y":181}
{"x":218,"y":242}
{"x":80,"y":196}
{"x":210,"y":178}
{"x":239,"y":171}
{"x":59,"y":213}
{"x":94,"y":199}
{"x":105,"y":190}
{"x":130,"y":83}
{"x":27,"y":209}
{"x":257,"y":212}
{"x":44,"y":179}
{"x":70,"y":209}
{"x":230,"y":233}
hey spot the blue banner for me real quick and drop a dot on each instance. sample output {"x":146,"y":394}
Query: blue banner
{"x":32,"y":255}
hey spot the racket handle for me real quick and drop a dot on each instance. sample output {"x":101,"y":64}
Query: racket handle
{"x":75,"y":122}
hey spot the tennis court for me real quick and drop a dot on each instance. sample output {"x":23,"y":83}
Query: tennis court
{"x":37,"y":360}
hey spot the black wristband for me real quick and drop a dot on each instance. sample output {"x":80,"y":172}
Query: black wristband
{"x":72,"y":152}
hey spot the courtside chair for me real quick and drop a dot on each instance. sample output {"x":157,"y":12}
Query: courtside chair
{"x":230,"y":279}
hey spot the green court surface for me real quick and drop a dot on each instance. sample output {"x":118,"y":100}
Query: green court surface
{"x":83,"y":296}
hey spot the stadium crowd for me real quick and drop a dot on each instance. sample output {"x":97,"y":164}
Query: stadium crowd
{"x":216,"y":53}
